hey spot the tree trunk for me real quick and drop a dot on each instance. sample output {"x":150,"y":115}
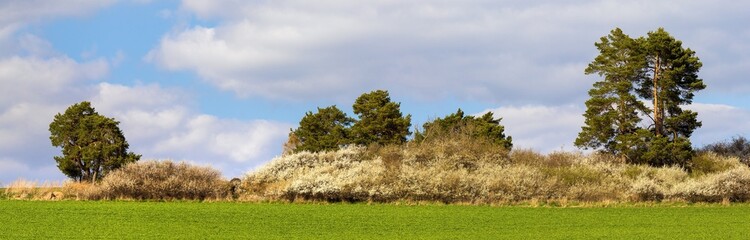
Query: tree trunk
{"x":658,"y":118}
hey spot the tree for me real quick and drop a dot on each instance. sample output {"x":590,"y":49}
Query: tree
{"x":92,"y":145}
{"x":485,"y":127}
{"x":322,"y":131}
{"x":380,"y":120}
{"x":611,"y":117}
{"x":670,"y":81}
{"x":655,"y":69}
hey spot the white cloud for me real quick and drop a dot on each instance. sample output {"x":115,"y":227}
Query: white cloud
{"x":720,"y":122}
{"x":36,"y":79}
{"x":160,"y":123}
{"x":24,"y":11}
{"x":32,"y":90}
{"x":509,"y":52}
{"x":543,"y":128}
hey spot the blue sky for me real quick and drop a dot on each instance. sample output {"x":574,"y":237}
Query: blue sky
{"x":221,"y":82}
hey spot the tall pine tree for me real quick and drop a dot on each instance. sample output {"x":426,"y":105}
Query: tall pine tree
{"x":656,"y":69}
{"x":612,"y":111}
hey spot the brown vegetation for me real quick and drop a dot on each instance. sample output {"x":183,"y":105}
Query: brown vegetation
{"x":468,"y":171}
{"x":454,"y":170}
{"x":31,"y":190}
{"x":154,"y":180}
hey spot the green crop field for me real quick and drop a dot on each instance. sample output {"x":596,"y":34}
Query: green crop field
{"x":158,"y":220}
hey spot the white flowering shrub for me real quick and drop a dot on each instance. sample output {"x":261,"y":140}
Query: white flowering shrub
{"x":443,"y":171}
{"x":647,"y":189}
{"x":731,"y":185}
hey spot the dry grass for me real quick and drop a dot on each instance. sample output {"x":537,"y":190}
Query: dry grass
{"x":22,"y":189}
{"x":81,"y":190}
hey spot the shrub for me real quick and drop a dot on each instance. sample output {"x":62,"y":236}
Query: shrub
{"x":82,"y":190}
{"x":710,"y":162}
{"x":485,"y":128}
{"x":575,"y":175}
{"x":737,"y":147}
{"x":526,"y":156}
{"x":465,"y":170}
{"x":157,"y":180}
{"x":646,"y":189}
{"x":732,"y":185}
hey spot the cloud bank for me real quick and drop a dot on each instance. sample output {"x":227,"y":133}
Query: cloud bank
{"x":496,"y":51}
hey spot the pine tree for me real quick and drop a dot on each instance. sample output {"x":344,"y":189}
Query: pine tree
{"x":380,"y":120}
{"x":322,"y":131}
{"x":92,"y":145}
{"x":485,"y":127}
{"x":612,"y":111}
{"x":655,"y":69}
{"x":670,"y":81}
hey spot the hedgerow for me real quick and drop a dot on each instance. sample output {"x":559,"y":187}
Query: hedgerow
{"x":469,"y":171}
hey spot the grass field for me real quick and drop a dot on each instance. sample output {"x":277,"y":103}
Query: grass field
{"x":158,"y":220}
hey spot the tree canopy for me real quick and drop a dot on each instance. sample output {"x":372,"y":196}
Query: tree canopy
{"x":655,"y":69}
{"x":380,"y":120}
{"x":92,"y":145}
{"x":325,"y":130}
{"x":485,"y":127}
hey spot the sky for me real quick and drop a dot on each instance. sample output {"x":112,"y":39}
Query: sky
{"x":220,"y":83}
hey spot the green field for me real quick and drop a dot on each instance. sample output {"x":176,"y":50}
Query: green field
{"x":158,"y":220}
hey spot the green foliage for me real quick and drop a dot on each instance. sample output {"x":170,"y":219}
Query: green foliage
{"x":485,"y":127}
{"x":322,"y":131}
{"x":612,"y":110}
{"x":657,"y":69}
{"x":92,"y":145}
{"x":663,"y":151}
{"x":380,"y":120}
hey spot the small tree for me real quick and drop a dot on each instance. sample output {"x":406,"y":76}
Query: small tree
{"x":485,"y":127}
{"x":322,"y":131}
{"x":380,"y":120}
{"x":92,"y":145}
